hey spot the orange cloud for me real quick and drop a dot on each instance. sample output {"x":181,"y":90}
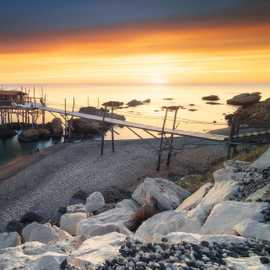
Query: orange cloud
{"x":165,"y":54}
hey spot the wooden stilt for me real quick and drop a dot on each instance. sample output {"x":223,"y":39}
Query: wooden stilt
{"x":161,"y":139}
{"x":171,"y":138}
{"x":112,"y":132}
{"x":103,"y":131}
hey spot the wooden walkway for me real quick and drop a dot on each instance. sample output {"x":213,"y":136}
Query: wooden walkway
{"x":177,"y":132}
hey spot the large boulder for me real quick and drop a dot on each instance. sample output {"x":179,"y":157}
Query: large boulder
{"x":211,"y":98}
{"x":44,"y":233}
{"x":32,"y":256}
{"x":221,"y":191}
{"x":253,"y":229}
{"x":34,"y":134}
{"x":94,"y":202}
{"x":29,"y":135}
{"x":263,"y":162}
{"x":254,"y":116}
{"x":245,"y":99}
{"x":227,"y":214}
{"x":167,"y":195}
{"x":193,"y":200}
{"x":6,"y":133}
{"x":56,"y":128}
{"x":96,"y":250}
{"x":70,"y":222}
{"x":106,"y":222}
{"x":164,"y":223}
{"x":11,"y":239}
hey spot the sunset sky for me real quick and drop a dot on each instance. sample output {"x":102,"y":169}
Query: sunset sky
{"x":135,"y":41}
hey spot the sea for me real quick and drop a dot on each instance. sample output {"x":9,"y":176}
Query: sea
{"x":196,"y":114}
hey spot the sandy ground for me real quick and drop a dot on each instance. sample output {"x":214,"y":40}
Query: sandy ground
{"x":51,"y":177}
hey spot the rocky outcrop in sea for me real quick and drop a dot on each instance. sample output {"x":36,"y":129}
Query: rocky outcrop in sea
{"x":223,"y":225}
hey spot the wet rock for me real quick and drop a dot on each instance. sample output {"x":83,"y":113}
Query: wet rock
{"x":114,"y":104}
{"x":56,"y":128}
{"x":245,"y":99}
{"x":6,"y":133}
{"x":211,"y":98}
{"x":134,"y":103}
{"x":34,"y":134}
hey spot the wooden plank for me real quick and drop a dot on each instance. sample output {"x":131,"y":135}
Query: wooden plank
{"x":177,"y":132}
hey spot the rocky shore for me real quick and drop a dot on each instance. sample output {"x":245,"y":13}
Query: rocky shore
{"x":224,"y":224}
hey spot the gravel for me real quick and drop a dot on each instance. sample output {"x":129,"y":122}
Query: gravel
{"x":186,"y":256}
{"x":49,"y":183}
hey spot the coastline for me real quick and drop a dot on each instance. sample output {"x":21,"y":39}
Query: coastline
{"x":51,"y":178}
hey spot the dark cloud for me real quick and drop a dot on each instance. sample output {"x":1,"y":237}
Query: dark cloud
{"x":31,"y":17}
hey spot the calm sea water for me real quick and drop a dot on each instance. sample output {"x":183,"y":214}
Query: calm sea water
{"x":94,"y":95}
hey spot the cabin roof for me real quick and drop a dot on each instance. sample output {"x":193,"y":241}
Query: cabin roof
{"x":11,"y":93}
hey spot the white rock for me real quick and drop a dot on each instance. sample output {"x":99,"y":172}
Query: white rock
{"x":194,"y":199}
{"x":178,"y":237}
{"x":96,"y":250}
{"x":75,"y":208}
{"x":263,"y":161}
{"x":224,"y":174}
{"x":32,"y":256}
{"x":70,"y":222}
{"x":128,"y":204}
{"x":167,"y":194}
{"x":106,"y":222}
{"x":221,"y":191}
{"x":11,"y":239}
{"x":262,"y":194}
{"x":44,"y":233}
{"x":253,"y":229}
{"x":249,"y":263}
{"x":226,"y":215}
{"x":94,"y":202}
{"x":163,"y":224}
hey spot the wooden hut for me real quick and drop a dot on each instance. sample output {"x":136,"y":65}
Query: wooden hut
{"x":7,"y":97}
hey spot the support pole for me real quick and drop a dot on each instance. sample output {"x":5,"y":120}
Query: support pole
{"x":65,"y":116}
{"x":232,"y":133}
{"x":112,"y":132}
{"x":103,"y":131}
{"x":171,"y":138}
{"x":161,"y":139}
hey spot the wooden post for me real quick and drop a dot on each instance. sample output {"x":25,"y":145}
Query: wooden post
{"x":112,"y":133}
{"x":232,"y":133}
{"x":65,"y":117}
{"x":103,"y":131}
{"x":161,"y":139}
{"x":171,"y":138}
